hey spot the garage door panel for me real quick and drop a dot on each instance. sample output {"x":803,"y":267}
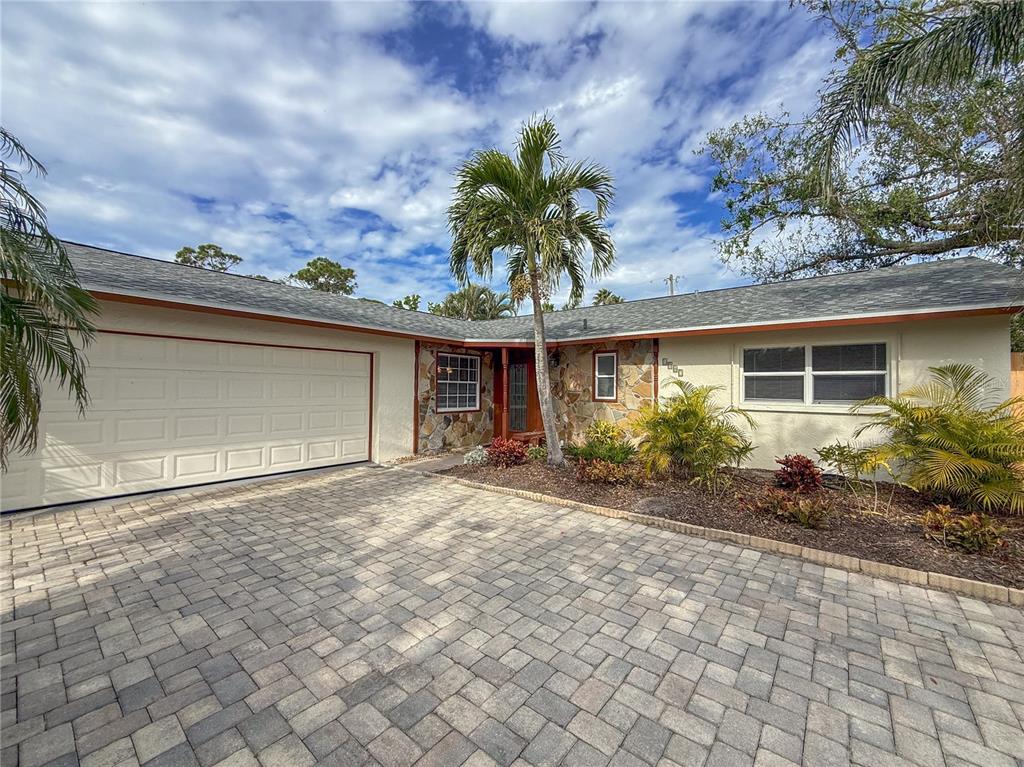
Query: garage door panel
{"x":172,"y":412}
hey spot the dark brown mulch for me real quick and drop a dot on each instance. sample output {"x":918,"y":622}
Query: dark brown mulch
{"x":891,"y":534}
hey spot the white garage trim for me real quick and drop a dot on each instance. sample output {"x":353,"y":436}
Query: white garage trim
{"x":175,"y":411}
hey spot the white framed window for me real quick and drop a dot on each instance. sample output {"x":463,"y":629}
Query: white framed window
{"x":819,"y":374}
{"x":606,"y":366}
{"x":458,"y":382}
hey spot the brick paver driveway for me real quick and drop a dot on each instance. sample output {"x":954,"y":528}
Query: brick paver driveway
{"x":373,"y":615}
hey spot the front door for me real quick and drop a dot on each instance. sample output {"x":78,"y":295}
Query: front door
{"x":517,"y":396}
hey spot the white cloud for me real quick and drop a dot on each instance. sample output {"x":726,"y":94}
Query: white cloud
{"x":269,"y":127}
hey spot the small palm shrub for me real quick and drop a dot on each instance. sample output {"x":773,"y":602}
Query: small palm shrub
{"x":810,"y":511}
{"x":506,"y":452}
{"x":537,"y":453}
{"x":971,"y":532}
{"x":798,"y":473}
{"x":475,"y":457}
{"x":947,"y":438}
{"x":690,"y":432}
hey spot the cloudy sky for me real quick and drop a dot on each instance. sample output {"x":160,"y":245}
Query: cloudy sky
{"x":287,"y":130}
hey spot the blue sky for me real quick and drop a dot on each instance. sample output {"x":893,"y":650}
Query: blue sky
{"x":283,"y":131}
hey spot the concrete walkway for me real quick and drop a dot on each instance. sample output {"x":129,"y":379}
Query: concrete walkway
{"x":376,"y":616}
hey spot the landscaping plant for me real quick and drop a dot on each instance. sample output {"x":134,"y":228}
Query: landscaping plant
{"x":692,"y":433}
{"x":506,"y":452}
{"x":597,"y":470}
{"x":848,"y":461}
{"x":605,"y":441}
{"x":973,"y":533}
{"x":810,"y":511}
{"x":947,"y":438}
{"x":537,"y":453}
{"x":475,"y":457}
{"x":798,"y":473}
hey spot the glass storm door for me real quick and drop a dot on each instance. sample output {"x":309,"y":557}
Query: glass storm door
{"x":517,"y":396}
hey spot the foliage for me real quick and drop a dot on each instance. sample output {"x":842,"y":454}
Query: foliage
{"x":506,"y":452}
{"x":694,"y":433}
{"x":798,"y":473}
{"x":605,"y":297}
{"x":45,"y":320}
{"x":475,"y":302}
{"x":604,"y":431}
{"x":1017,"y":333}
{"x":942,"y":169}
{"x":811,"y":511}
{"x":475,"y":457}
{"x":326,"y":276}
{"x":851,"y":462}
{"x":946,"y":437}
{"x":411,"y":302}
{"x":527,"y":207}
{"x":971,"y":532}
{"x":618,"y":451}
{"x":938,"y":46}
{"x":208,"y":256}
{"x":609,"y":472}
{"x":604,"y":441}
{"x":537,"y":453}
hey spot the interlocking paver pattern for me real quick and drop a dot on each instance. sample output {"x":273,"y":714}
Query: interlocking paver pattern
{"x":373,"y":616}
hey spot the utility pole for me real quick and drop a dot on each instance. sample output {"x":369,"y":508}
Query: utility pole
{"x":671,"y":280}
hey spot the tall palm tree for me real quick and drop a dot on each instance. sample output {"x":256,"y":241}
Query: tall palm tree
{"x":527,"y":206}
{"x":44,"y":312}
{"x":974,"y":39}
{"x":605,"y":297}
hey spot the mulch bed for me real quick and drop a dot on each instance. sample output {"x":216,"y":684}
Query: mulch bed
{"x":891,"y":535}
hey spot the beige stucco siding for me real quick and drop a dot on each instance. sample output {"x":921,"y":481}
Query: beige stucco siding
{"x":393,"y":358}
{"x":912,"y":348}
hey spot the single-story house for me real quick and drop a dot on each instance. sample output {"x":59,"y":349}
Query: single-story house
{"x":199,"y":376}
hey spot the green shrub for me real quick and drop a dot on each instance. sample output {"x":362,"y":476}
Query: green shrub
{"x":612,"y":452}
{"x":537,"y":453}
{"x":849,"y":461}
{"x":971,"y":532}
{"x":811,"y":511}
{"x":604,"y":431}
{"x":506,"y":452}
{"x":692,"y":433}
{"x":947,"y":438}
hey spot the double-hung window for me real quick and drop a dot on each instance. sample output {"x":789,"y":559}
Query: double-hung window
{"x":458,"y":382}
{"x":606,"y":375}
{"x":829,"y":373}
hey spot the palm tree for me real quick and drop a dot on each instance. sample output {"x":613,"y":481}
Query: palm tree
{"x":605,"y":297}
{"x":44,"y":315}
{"x":956,"y":48}
{"x":475,"y":302}
{"x":527,"y":206}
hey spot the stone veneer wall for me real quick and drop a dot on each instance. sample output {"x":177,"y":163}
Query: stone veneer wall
{"x":440,"y":431}
{"x":572,"y":384}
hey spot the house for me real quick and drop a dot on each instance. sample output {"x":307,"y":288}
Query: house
{"x":199,"y":376}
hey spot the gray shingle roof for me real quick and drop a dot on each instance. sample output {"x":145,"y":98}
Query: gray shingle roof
{"x":955,"y":284}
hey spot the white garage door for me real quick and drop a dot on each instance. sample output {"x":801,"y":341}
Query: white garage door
{"x":169,"y":412}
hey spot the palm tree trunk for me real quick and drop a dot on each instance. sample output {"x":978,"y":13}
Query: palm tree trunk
{"x":540,"y":356}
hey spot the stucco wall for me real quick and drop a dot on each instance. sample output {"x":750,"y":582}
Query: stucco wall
{"x":440,"y":431}
{"x":572,"y":383}
{"x":393,"y":357}
{"x":912,"y":348}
